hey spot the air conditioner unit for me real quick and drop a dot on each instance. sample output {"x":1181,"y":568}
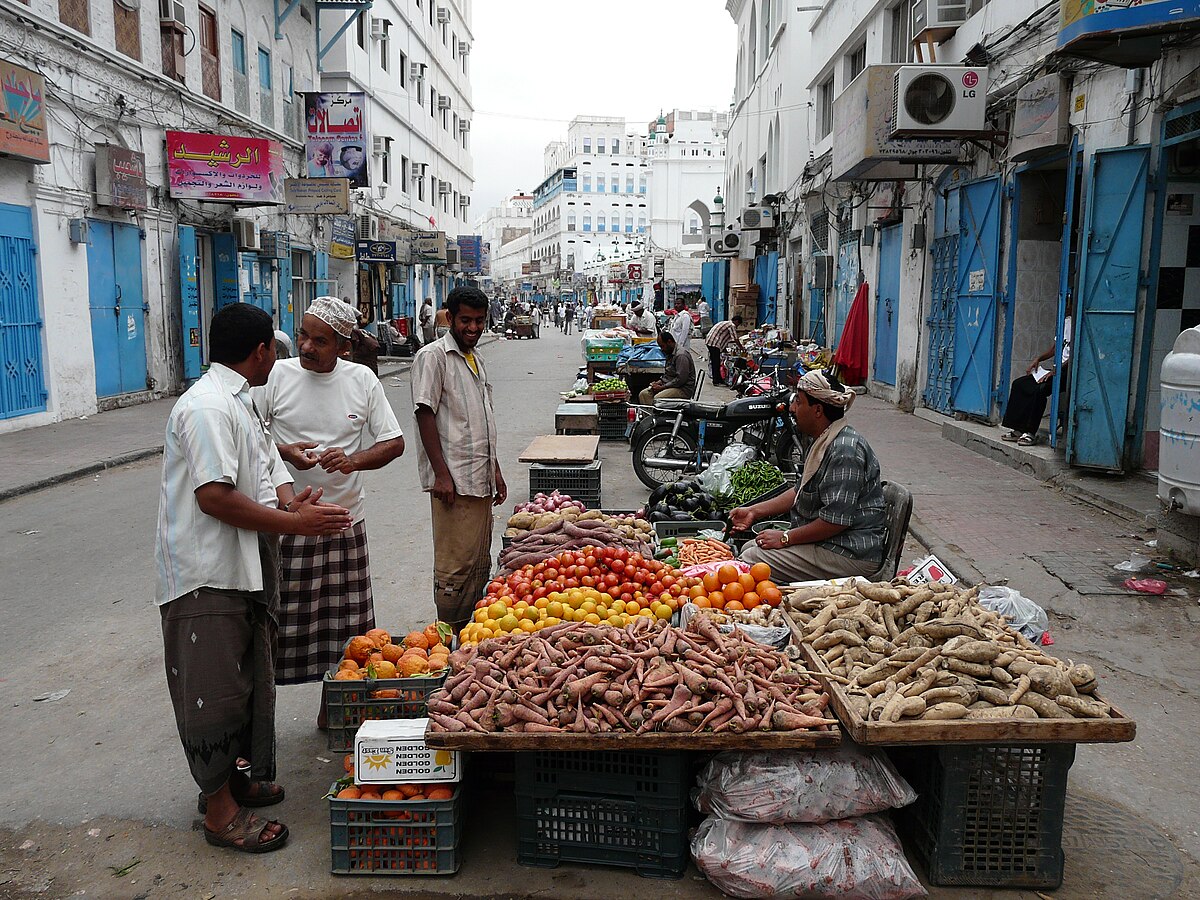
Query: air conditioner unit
{"x":463,"y":48}
{"x":416,"y":71}
{"x":416,"y":170}
{"x":378,"y":28}
{"x":443,"y":187}
{"x":758,"y":217}
{"x":366,"y":228}
{"x":727,"y":243}
{"x":379,"y":145}
{"x":443,"y":101}
{"x":464,"y":124}
{"x":276,"y":244}
{"x":937,"y":20}
{"x":452,"y":256}
{"x":464,"y":201}
{"x":443,"y":15}
{"x":245,"y":232}
{"x":171,"y":12}
{"x":939,"y":101}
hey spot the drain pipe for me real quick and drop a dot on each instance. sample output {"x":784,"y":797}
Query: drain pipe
{"x":1133,"y":88}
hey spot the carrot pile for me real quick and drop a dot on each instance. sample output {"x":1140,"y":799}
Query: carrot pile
{"x":695,"y":552}
{"x":647,"y":676}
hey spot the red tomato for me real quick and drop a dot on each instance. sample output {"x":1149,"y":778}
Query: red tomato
{"x":588,"y":581}
{"x":656,"y":588}
{"x":622,"y":554}
{"x":668,"y":580}
{"x":551,"y":573}
{"x":617,"y":565}
{"x":589,"y":561}
{"x":611,"y":581}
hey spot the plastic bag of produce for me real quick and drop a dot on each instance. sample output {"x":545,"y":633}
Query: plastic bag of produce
{"x":717,"y":478}
{"x":809,"y":786}
{"x":1022,"y":613}
{"x":849,"y":858}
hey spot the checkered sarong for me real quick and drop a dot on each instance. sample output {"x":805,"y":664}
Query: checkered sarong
{"x":324,"y":600}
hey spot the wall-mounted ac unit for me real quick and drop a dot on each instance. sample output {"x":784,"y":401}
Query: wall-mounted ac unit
{"x":416,"y":170}
{"x":939,"y":101}
{"x":444,"y":187}
{"x":727,"y":243}
{"x":380,"y":145}
{"x":937,"y":20}
{"x":452,"y":256}
{"x":443,"y":101}
{"x":366,"y":228}
{"x":443,"y":15}
{"x":758,"y":217}
{"x":171,"y":12}
{"x":463,"y":48}
{"x":464,"y":201}
{"x":416,"y":71}
{"x":245,"y":232}
{"x":378,"y":28}
{"x":464,"y":124}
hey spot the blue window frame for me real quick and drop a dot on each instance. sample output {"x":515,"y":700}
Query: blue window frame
{"x":264,"y":69}
{"x":237,"y":51}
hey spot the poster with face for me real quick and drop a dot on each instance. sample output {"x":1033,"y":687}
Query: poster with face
{"x":336,"y":140}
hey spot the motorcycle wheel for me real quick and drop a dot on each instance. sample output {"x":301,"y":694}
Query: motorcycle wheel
{"x":654,"y":444}
{"x":790,"y":453}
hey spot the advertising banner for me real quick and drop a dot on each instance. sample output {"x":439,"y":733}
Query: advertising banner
{"x":23,"y":114}
{"x":336,"y":144}
{"x":224,"y":167}
{"x":1073,"y":10}
{"x":376,"y":251}
{"x":470,"y":253}
{"x":120,"y":177}
{"x":341,"y":242}
{"x":317,"y":196}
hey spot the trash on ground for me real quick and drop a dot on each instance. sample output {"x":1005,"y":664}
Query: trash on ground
{"x":52,"y":696}
{"x":1146,"y":585}
{"x":1135,"y":563}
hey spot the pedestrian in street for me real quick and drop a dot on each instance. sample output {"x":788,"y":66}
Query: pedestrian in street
{"x":364,"y":348}
{"x":837,"y":512}
{"x":225,"y":498}
{"x":723,"y":334}
{"x":702,"y":310}
{"x":458,"y":461}
{"x":331,"y":422}
{"x":642,"y":322}
{"x":441,"y":323}
{"x":425,"y":321}
{"x":535,"y":313}
{"x":680,"y":324}
{"x":568,"y":317}
{"x":679,"y":378}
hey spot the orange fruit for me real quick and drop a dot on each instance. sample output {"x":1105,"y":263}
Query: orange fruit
{"x":696,"y":591}
{"x":439,"y":793}
{"x":409,"y":790}
{"x":348,"y":675}
{"x":733,"y":606}
{"x":385,"y":669}
{"x":378,"y":637}
{"x":727,"y":574}
{"x":370,"y":795}
{"x":764,"y":585}
{"x":760,"y":571}
{"x":386,"y":694}
{"x":415,"y":651}
{"x":746,"y":580}
{"x":733,"y":591}
{"x":772,"y":596}
{"x":411,"y":666}
{"x":751,"y":600}
{"x":375,"y":657}
{"x":392,"y":795}
{"x":349,"y":793}
{"x":416,"y":640}
{"x":359,"y":649}
{"x":710,"y":582}
{"x":392,"y":653}
{"x":348,"y":762}
{"x":702,"y":602}
{"x":716,"y":600}
{"x":433,"y":635}
{"x":348,"y":664}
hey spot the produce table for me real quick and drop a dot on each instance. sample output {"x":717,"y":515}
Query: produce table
{"x":556,"y":449}
{"x":704,"y":743}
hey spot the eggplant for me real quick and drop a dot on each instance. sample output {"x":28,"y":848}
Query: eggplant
{"x":659,"y":493}
{"x":681,"y":517}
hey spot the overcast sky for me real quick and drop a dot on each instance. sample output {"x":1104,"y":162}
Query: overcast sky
{"x":536,"y":64}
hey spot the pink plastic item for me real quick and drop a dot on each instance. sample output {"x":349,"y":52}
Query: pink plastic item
{"x":1146,"y":585}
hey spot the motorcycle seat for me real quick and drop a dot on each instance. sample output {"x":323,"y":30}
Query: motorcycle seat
{"x":692,"y":407}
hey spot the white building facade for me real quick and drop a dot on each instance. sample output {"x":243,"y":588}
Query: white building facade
{"x":506,"y":231}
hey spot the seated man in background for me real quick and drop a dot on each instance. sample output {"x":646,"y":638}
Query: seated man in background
{"x":837,"y":512}
{"x":679,"y":379}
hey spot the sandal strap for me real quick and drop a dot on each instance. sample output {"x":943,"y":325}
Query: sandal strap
{"x":242,"y":826}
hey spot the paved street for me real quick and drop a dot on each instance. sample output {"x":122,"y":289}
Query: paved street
{"x":97,"y":779}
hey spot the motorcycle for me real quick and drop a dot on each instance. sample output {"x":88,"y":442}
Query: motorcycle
{"x":677,"y":439}
{"x":747,"y":379}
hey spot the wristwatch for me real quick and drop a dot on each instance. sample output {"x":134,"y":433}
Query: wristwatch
{"x":786,"y":539}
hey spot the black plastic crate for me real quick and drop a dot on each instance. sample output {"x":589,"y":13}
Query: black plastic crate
{"x":987,"y":815}
{"x":349,"y":704}
{"x":396,"y":837}
{"x":657,"y":777}
{"x":600,"y":830}
{"x":580,"y":482}
{"x":614,"y":421}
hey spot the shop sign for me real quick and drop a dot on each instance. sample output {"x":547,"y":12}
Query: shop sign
{"x":526,"y":269}
{"x":635,"y":271}
{"x":317,"y":196}
{"x":429,"y":247}
{"x":341,"y":241}
{"x":23,"y":114}
{"x":376,"y":251}
{"x":404,"y":248}
{"x":470,"y":253}
{"x":120,"y":177}
{"x":336,"y":143}
{"x":224,"y":167}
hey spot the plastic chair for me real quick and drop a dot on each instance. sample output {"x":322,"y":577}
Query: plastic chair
{"x":898,"y":505}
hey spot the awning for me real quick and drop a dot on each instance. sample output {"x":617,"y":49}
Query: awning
{"x":1130,"y":37}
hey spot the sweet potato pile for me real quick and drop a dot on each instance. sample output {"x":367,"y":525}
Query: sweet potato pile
{"x":552,"y":533}
{"x":645,"y":677}
{"x":932,"y":652}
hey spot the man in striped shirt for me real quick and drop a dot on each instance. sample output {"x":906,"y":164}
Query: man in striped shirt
{"x":722,"y":335}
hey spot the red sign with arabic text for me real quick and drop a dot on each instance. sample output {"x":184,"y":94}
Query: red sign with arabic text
{"x":224,"y":167}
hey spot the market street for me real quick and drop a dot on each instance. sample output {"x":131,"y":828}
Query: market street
{"x":97,"y":781}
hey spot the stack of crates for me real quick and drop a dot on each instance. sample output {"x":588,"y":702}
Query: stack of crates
{"x":350,"y":703}
{"x":614,"y":420}
{"x":615,"y":808}
{"x":581,"y":483}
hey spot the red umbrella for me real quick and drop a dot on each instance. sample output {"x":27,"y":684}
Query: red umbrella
{"x":851,"y":354}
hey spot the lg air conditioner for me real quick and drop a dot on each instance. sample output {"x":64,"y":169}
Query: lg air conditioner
{"x":245,"y":232}
{"x":939,"y":101}
{"x":937,"y":20}
{"x":759,"y":217}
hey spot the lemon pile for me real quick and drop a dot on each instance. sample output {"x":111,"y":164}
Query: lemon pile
{"x":574,"y":605}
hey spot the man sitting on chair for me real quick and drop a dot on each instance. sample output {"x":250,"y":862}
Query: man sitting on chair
{"x":679,"y":379}
{"x":837,"y":512}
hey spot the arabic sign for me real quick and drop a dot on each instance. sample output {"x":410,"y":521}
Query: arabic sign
{"x":224,"y":167}
{"x":635,"y":271}
{"x":429,"y":247}
{"x":470,"y":253}
{"x":23,"y":114}
{"x":317,"y":196}
{"x":341,"y":241}
{"x":336,"y":141}
{"x":1073,"y":10}
{"x":376,"y":251}
{"x":120,"y":177}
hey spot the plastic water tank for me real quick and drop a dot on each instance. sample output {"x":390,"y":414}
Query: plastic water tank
{"x":1179,"y":439}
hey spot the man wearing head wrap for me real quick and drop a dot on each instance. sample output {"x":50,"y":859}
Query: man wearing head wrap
{"x":837,"y":510}
{"x":331,"y":421}
{"x":642,"y":323}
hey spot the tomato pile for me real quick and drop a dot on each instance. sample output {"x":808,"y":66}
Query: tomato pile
{"x":595,"y":584}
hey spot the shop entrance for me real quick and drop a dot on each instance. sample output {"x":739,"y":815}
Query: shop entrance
{"x":118,"y":307}
{"x":976,"y":294}
{"x":22,"y":383}
{"x":845,"y":286}
{"x":887,"y":303}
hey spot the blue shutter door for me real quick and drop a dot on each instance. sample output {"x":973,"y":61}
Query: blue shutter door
{"x":287,"y":316}
{"x":131,"y":322}
{"x":846,"y":284}
{"x":23,"y":388}
{"x":940,"y":324}
{"x":1106,"y":315}
{"x":189,"y":304}
{"x":887,"y":303}
{"x":225,"y":270}
{"x":766,"y":276}
{"x":105,"y":308}
{"x":976,"y":296}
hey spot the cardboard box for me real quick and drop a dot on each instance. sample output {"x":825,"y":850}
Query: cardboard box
{"x":930,"y":570}
{"x":387,"y":751}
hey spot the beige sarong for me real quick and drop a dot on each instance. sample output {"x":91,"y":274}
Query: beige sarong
{"x":462,"y":551}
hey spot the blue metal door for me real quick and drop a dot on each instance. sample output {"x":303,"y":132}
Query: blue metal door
{"x":287,"y":316}
{"x":887,"y":303}
{"x":189,"y":304}
{"x":258,"y":272}
{"x":712,"y":287}
{"x":117,"y":305}
{"x":226,"y":283}
{"x":1106,"y":314}
{"x":976,"y":295}
{"x":22,"y":385}
{"x":845,"y":285}
{"x":766,"y":276}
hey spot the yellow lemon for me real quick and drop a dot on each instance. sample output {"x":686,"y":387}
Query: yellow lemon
{"x":555,"y":608}
{"x":508,"y":623}
{"x":497,"y":610}
{"x":592,"y":619}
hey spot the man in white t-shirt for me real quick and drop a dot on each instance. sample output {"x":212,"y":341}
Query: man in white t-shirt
{"x":680,"y":324}
{"x":331,"y":422}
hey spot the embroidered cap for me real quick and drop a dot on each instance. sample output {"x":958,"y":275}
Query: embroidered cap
{"x":337,"y":314}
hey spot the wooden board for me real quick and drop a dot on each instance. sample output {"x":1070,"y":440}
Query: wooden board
{"x":705,"y":743}
{"x":1115,"y":729}
{"x":561,"y":449}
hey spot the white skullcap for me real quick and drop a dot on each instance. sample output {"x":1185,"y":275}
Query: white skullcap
{"x":337,"y":314}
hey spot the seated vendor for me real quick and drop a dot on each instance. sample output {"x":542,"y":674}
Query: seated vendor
{"x":642,"y":323}
{"x":679,"y":378}
{"x":837,"y":512}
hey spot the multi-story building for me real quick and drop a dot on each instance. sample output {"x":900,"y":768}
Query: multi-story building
{"x":505,"y":231}
{"x":133,"y":134}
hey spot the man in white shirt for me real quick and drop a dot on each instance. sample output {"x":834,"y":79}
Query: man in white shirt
{"x":331,"y":422}
{"x":425,"y":321}
{"x":680,"y":324}
{"x":641,"y":322}
{"x":702,"y":308}
{"x":225,"y":496}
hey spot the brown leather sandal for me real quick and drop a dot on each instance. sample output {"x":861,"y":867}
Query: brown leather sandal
{"x":247,"y":793}
{"x":247,"y":828}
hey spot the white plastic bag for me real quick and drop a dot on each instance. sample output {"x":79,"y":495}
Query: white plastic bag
{"x":716,"y":479}
{"x":805,"y":786}
{"x":850,"y":858}
{"x":1022,"y":613}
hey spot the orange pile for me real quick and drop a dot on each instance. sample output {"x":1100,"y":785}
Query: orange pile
{"x":374,"y":656}
{"x":392,"y":792}
{"x":730,"y":590}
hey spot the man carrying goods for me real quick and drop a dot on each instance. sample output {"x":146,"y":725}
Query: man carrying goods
{"x":679,"y":379}
{"x":722,"y":335}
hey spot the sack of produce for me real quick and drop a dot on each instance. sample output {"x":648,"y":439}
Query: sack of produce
{"x":809,"y":786}
{"x":849,"y":858}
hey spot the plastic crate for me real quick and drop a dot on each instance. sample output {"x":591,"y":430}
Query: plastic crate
{"x":655,"y":777}
{"x":395,"y":837}
{"x":579,"y":482}
{"x":614,"y":421}
{"x":687,"y":529}
{"x":349,"y":704}
{"x":987,"y":815}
